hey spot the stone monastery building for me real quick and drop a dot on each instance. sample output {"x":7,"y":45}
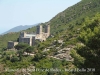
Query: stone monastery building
{"x":30,"y":38}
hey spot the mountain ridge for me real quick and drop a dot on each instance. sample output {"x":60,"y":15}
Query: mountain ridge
{"x":19,"y":28}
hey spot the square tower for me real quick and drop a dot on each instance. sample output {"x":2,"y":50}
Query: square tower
{"x":39,"y":29}
{"x":22,"y":34}
{"x":47,"y":30}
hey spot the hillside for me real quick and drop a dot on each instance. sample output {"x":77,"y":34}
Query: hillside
{"x":80,"y":20}
{"x":69,"y":18}
{"x":74,"y":15}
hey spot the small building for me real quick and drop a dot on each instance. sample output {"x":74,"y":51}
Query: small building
{"x":11,"y":44}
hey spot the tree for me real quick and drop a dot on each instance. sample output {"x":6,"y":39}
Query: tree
{"x":37,"y":57}
{"x":29,"y":49}
{"x":21,"y":46}
{"x":90,"y":50}
{"x":14,"y":59}
{"x":20,"y":53}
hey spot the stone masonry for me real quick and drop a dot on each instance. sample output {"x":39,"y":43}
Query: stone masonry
{"x":31,"y":38}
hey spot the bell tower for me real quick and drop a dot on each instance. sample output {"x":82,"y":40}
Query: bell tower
{"x":39,"y":29}
{"x":47,"y":30}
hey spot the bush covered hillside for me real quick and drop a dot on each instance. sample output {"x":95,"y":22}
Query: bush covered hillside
{"x":74,"y":44}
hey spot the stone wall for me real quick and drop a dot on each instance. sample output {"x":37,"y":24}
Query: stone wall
{"x":11,"y":44}
{"x":30,"y":38}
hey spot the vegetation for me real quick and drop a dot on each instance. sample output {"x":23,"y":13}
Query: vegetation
{"x":77,"y":26}
{"x":90,"y":51}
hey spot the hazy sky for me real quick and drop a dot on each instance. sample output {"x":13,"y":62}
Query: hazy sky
{"x":29,"y":12}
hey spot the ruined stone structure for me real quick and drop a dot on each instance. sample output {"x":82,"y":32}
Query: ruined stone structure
{"x":40,"y":35}
{"x":11,"y":44}
{"x":30,"y":38}
{"x":27,"y":38}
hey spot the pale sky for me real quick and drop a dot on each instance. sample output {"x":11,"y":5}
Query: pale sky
{"x":29,"y":12}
